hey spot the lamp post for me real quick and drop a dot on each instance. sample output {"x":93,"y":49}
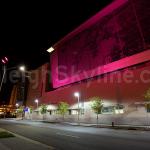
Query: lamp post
{"x":4,"y":60}
{"x":17,"y":105}
{"x":23,"y":70}
{"x":37,"y":103}
{"x":76,"y":94}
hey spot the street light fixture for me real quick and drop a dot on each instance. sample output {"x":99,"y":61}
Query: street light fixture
{"x":17,"y":105}
{"x":37,"y":102}
{"x":22,"y":68}
{"x":77,"y":94}
{"x":51,"y":49}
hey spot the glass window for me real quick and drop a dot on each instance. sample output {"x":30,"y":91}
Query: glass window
{"x":108,"y":110}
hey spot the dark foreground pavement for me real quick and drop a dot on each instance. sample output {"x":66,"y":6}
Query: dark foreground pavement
{"x":63,"y":137}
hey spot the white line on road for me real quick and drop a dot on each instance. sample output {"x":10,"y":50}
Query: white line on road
{"x":73,"y":136}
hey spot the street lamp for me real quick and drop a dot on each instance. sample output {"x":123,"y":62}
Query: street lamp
{"x":50,"y":50}
{"x":37,"y":102}
{"x":4,"y":61}
{"x":17,"y":105}
{"x":23,"y":70}
{"x":77,"y":94}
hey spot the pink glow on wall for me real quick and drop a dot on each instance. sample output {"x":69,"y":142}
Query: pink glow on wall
{"x":128,"y":92}
{"x":120,"y":64}
{"x":107,"y":10}
{"x":130,"y":40}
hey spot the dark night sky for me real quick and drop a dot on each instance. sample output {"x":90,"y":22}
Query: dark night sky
{"x":27,"y":30}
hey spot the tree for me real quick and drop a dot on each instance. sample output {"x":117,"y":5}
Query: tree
{"x":43,"y":109}
{"x":63,"y":108}
{"x":147,"y":98}
{"x":96,"y":105}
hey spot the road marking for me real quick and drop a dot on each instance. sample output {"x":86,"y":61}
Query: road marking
{"x":142,"y":131}
{"x":30,"y":140}
{"x":73,"y":136}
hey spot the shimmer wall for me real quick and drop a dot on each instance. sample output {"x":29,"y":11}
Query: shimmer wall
{"x":116,"y":33}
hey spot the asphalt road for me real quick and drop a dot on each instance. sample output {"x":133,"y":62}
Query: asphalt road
{"x":63,"y":137}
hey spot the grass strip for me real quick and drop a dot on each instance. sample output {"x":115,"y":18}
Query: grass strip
{"x":5,"y":134}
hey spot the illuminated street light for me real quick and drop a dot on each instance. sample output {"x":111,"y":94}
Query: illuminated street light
{"x":17,"y":105}
{"x":77,"y":94}
{"x":22,"y":68}
{"x":37,"y":102}
{"x":6,"y":59}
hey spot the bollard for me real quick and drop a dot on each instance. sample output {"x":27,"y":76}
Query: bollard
{"x":112,"y":124}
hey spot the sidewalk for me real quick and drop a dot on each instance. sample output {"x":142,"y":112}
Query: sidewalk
{"x":123,"y":127}
{"x":19,"y":142}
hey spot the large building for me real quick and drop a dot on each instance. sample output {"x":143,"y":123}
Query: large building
{"x":107,"y":56}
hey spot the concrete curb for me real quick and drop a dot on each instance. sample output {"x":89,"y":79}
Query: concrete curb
{"x":117,"y":127}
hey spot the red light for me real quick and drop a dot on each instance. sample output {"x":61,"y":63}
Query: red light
{"x":6,"y":58}
{"x":3,"y":61}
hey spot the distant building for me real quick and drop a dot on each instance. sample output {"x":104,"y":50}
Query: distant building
{"x":107,"y":56}
{"x":13,"y":97}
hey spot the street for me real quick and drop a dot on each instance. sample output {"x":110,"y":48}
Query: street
{"x":66,"y":137}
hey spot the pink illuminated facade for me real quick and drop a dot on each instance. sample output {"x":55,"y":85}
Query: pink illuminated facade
{"x":107,"y":56}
